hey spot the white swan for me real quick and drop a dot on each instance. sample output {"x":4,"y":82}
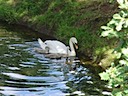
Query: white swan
{"x":57,"y":47}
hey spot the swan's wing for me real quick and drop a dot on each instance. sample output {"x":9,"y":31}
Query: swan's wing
{"x":61,"y":48}
{"x":42,"y":44}
{"x":56,"y":47}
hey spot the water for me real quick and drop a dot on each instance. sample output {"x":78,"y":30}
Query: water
{"x":24,"y":72}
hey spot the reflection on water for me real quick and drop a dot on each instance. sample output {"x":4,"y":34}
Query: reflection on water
{"x":23,"y":72}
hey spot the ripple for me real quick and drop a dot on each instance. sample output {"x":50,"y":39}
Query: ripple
{"x":32,"y":78}
{"x":18,"y":45}
{"x":13,"y":68}
{"x":21,"y":91}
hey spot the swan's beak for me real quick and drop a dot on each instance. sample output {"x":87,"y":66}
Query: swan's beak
{"x":76,"y":45}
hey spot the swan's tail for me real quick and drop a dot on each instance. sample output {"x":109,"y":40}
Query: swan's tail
{"x":42,"y":44}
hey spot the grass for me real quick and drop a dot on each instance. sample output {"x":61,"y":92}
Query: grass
{"x":64,"y":19}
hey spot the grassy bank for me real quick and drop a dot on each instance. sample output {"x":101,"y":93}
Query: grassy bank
{"x":63,"y":19}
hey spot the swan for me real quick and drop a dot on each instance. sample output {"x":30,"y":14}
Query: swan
{"x":57,"y":47}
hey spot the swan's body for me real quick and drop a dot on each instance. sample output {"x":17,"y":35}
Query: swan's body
{"x":57,"y":47}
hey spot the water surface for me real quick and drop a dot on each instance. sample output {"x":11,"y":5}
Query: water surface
{"x":24,"y":72}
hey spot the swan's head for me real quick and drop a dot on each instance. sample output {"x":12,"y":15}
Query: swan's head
{"x":74,"y":41}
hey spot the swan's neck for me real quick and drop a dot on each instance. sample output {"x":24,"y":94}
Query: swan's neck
{"x":72,"y":52}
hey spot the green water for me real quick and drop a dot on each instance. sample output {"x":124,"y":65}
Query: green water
{"x":24,"y":72}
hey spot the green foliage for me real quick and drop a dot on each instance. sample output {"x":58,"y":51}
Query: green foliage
{"x":63,"y":17}
{"x":7,"y":12}
{"x":104,"y":76}
{"x":117,"y":73}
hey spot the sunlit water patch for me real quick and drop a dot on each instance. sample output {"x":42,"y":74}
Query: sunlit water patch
{"x":23,"y":72}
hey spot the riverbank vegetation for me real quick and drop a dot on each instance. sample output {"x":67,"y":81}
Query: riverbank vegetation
{"x":63,"y":19}
{"x":117,"y":74}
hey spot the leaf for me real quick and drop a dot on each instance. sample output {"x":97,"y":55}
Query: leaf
{"x":120,"y":1}
{"x":114,"y":34}
{"x":117,"y":16}
{"x":123,"y":6}
{"x":126,"y":23}
{"x":118,"y":55}
{"x":123,"y":14}
{"x":112,"y":22}
{"x":119,"y":93}
{"x":104,"y":76}
{"x":123,"y":62}
{"x":125,"y":51}
{"x":106,"y":33}
{"x":126,"y":91}
{"x":105,"y":27}
{"x":119,"y":26}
